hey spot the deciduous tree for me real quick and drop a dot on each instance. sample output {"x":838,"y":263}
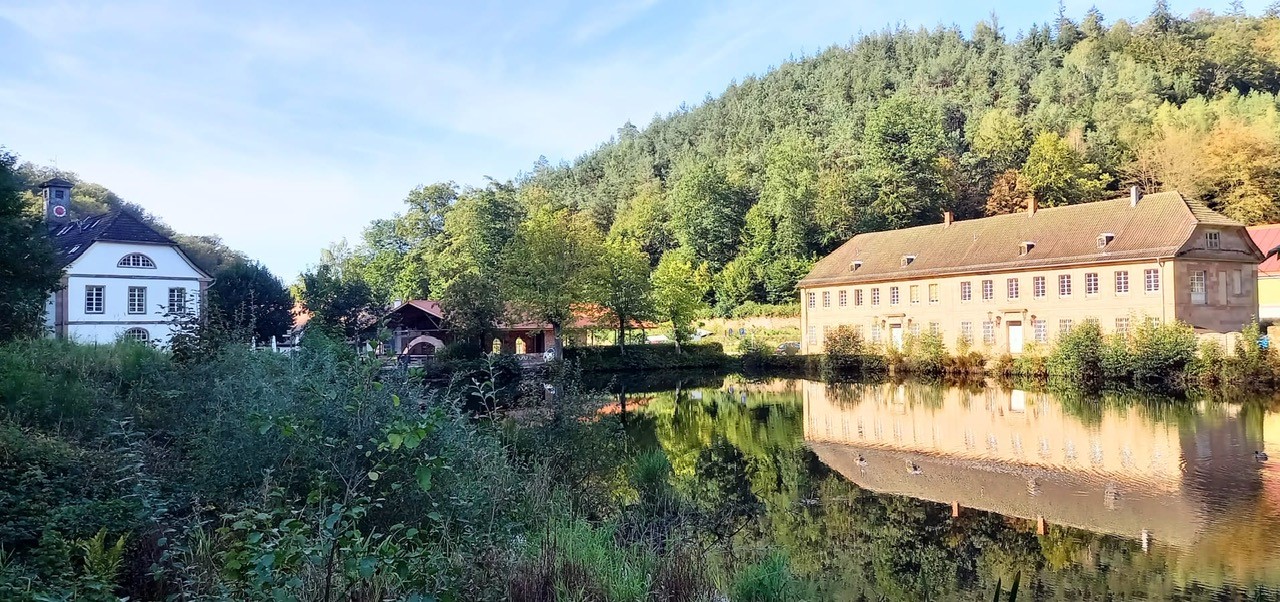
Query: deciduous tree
{"x":29,"y":272}
{"x":679,"y":289}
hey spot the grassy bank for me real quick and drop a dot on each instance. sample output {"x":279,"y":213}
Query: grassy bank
{"x":251,"y":475}
{"x":638,"y":358}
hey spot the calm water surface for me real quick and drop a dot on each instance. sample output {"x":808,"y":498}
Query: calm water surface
{"x":914,"y":491}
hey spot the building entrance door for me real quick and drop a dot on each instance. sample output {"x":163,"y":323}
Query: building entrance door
{"x":895,"y":335}
{"x":1015,"y":337}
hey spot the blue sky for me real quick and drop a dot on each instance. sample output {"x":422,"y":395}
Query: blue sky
{"x":286,"y":126}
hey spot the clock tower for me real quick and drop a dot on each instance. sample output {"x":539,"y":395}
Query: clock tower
{"x":57,"y":200}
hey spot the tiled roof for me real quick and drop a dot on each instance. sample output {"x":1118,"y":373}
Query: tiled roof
{"x":1156,"y":227}
{"x":1267,"y":237}
{"x":72,"y":239}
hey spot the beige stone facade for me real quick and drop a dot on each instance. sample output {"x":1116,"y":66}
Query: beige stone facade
{"x":1205,"y":275}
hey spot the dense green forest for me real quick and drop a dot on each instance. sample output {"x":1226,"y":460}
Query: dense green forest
{"x":887,"y":132}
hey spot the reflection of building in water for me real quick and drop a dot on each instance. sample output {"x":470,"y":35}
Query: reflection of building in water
{"x":1111,"y":468}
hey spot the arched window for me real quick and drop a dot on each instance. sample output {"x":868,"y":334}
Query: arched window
{"x":135,"y":260}
{"x":136,"y":334}
{"x":497,"y":346}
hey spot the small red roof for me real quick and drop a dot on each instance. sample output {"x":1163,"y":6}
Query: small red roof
{"x":1267,"y":237}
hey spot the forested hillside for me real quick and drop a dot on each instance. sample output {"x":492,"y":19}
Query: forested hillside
{"x":886,"y":133}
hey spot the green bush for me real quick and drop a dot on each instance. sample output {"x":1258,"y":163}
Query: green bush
{"x":1078,"y":353}
{"x":769,"y":580}
{"x":1161,"y":351}
{"x":648,"y":357}
{"x":751,"y":309}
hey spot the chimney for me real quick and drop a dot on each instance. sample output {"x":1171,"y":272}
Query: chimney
{"x":57,"y":200}
{"x":1135,"y":195}
{"x":947,"y":218}
{"x":1031,"y":205}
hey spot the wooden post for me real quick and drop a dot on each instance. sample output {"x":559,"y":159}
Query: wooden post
{"x":955,"y":509}
{"x":1041,"y":528}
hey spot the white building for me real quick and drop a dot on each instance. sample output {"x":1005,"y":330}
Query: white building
{"x":121,"y":278}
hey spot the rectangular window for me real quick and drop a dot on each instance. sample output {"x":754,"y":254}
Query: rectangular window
{"x":844,"y":298}
{"x":875,"y":334}
{"x":1122,"y":326}
{"x":1198,"y":295}
{"x":935,"y":328}
{"x":93,"y":299}
{"x":1064,"y":285}
{"x":1091,"y":283}
{"x":813,"y":300}
{"x":1151,"y":280}
{"x":1040,"y":329}
{"x":914,"y":329}
{"x":1011,"y":288}
{"x":875,"y":296}
{"x":1064,"y":326}
{"x":966,"y":331}
{"x":826,"y":298}
{"x":857,"y":297}
{"x":1213,"y":239}
{"x":858,"y":331}
{"x":893,"y":295}
{"x":1038,"y":288}
{"x":177,"y":300}
{"x":988,"y":290}
{"x":1122,"y":282}
{"x":1237,"y":282}
{"x":966,"y":291}
{"x":933,"y":293}
{"x":989,"y":332}
{"x":813,"y":335}
{"x":915,"y":294}
{"x":137,"y":299}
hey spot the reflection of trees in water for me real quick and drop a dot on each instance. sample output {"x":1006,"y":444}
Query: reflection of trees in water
{"x":855,"y":544}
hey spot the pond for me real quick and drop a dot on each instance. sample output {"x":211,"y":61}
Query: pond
{"x":909,"y":490}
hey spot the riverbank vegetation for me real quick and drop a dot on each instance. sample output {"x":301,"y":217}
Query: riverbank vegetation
{"x":1170,"y":355}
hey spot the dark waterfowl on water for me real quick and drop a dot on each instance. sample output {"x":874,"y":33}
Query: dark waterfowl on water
{"x":1260,"y":456}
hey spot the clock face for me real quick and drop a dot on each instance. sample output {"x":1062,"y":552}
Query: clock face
{"x":59,"y":211}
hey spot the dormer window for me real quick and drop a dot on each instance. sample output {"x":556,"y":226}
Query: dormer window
{"x":857,"y":263}
{"x":135,"y":260}
{"x":1026,"y":247}
{"x":1105,"y":239}
{"x":1213,"y":240}
{"x":908,"y":260}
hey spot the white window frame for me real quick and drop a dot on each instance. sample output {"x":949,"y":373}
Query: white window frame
{"x":966,"y":291}
{"x":842,"y":298}
{"x":136,"y":261}
{"x":1011,"y":288}
{"x":875,"y":297}
{"x":1040,"y":330}
{"x":895,"y":296}
{"x":966,"y":331}
{"x":1065,"y":326}
{"x":1092,"y":284}
{"x":1122,"y":327}
{"x":826,"y":299}
{"x":934,"y":294}
{"x":988,"y":332}
{"x":812,"y":299}
{"x":913,"y":294}
{"x":988,"y":290}
{"x":95,"y":299}
{"x":857,"y":297}
{"x":1151,"y":280}
{"x":138,"y":334}
{"x":178,"y":303}
{"x":1064,"y":285}
{"x":1039,"y":287}
{"x":1122,"y":282}
{"x":813,"y":335}
{"x":137,"y":300}
{"x":1198,"y":282}
{"x":1213,"y":240}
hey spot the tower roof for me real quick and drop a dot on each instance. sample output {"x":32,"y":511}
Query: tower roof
{"x":56,"y":182}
